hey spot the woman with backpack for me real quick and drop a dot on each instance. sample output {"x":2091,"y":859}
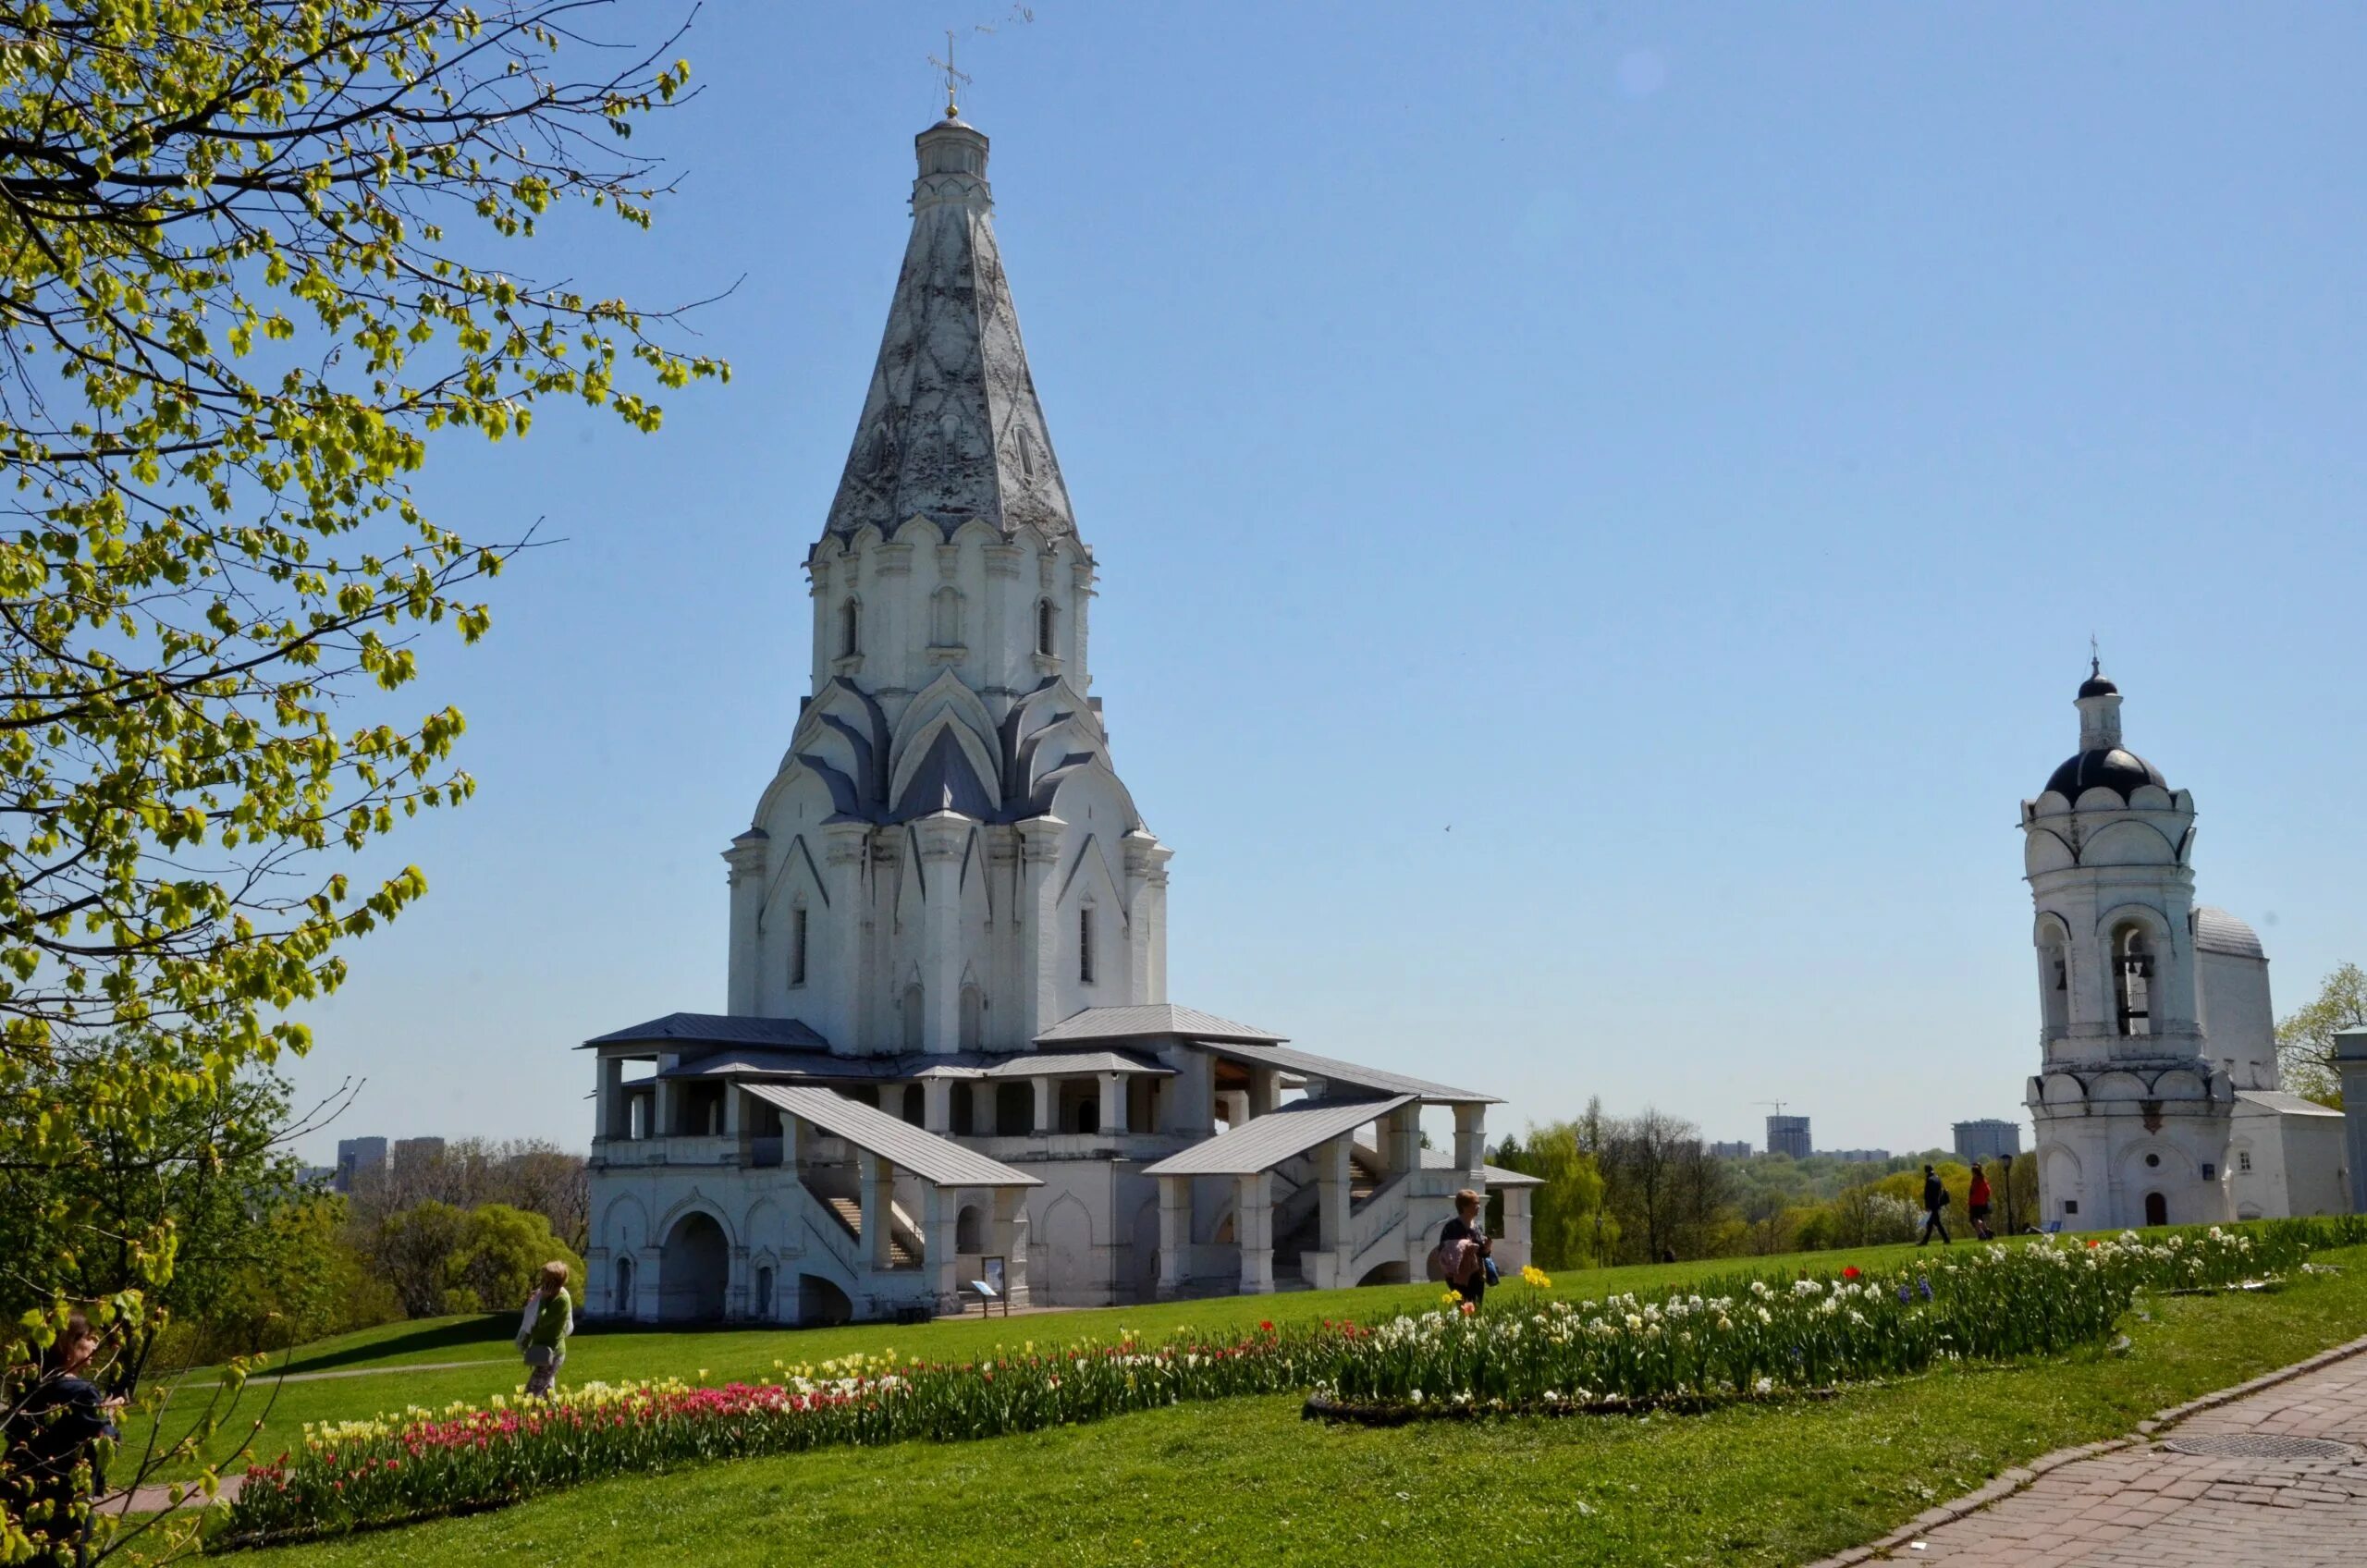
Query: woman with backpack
{"x":1462,"y":1250}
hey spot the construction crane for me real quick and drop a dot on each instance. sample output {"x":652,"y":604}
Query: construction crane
{"x":1777,"y":1104}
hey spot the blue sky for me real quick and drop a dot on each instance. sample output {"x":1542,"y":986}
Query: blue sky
{"x":1684,"y":451}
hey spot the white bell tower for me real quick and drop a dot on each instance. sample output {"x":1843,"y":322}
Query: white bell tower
{"x":2132,"y":1119}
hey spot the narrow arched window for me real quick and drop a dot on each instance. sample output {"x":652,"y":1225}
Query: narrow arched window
{"x":973,"y":1018}
{"x":1085,"y":945}
{"x":797,"y":945}
{"x":1044,"y":626}
{"x":2054,"y":982}
{"x":912,"y":1018}
{"x":849,"y":629}
{"x":945,"y":618}
{"x":2132,"y":954}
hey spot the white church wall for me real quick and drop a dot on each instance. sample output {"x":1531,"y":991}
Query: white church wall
{"x":2317,"y":1179}
{"x":2238,"y":1016}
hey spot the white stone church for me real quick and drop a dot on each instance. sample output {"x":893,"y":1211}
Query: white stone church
{"x":2157,"y":1101}
{"x":947,"y":1052}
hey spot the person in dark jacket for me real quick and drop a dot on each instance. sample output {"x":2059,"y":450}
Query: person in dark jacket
{"x":51,"y":1471}
{"x":1935,"y":1198}
{"x":1465,"y":1227}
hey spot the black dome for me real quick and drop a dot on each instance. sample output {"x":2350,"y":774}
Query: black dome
{"x":2097,"y":686}
{"x":2109,"y":767}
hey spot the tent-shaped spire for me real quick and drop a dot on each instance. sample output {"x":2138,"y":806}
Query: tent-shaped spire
{"x":950,"y":427}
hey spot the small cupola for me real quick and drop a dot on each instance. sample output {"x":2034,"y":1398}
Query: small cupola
{"x":2102,"y":761}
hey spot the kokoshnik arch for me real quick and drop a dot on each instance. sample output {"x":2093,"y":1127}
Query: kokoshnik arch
{"x":947,"y":1036}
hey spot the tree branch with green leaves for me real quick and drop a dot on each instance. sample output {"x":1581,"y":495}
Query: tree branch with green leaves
{"x":254,"y":256}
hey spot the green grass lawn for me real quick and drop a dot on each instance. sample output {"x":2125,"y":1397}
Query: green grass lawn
{"x":1247,"y":1480}
{"x":614,"y":1355}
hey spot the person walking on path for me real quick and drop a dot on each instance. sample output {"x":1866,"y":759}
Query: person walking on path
{"x":51,"y":1471}
{"x":1935,"y":1198}
{"x":1470,"y":1280}
{"x":543,"y":1330}
{"x":1976,"y":1205}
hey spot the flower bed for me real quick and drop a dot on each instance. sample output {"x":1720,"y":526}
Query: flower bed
{"x":1751,"y":1336}
{"x":1739,"y":1338}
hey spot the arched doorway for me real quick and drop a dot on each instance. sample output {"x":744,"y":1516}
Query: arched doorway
{"x":820,"y":1303}
{"x":765,"y":1294}
{"x":692,"y":1270}
{"x":2157,"y":1210}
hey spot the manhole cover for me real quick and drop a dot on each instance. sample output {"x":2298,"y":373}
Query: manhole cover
{"x":2261,"y":1445}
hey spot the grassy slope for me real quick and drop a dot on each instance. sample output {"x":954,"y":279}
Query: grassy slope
{"x":726,"y":1353}
{"x":1249,"y":1480}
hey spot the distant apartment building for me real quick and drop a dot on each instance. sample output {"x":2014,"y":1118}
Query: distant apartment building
{"x":1858,"y":1157}
{"x":417,"y":1151}
{"x":1789,"y":1135}
{"x":356,"y":1158}
{"x":1739,"y":1149}
{"x":1988,"y":1139}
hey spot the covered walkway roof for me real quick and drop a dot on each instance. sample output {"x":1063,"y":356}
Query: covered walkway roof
{"x":1346,"y":1074}
{"x":940,"y":1161}
{"x":1264,"y":1141}
{"x":1148,"y":1020}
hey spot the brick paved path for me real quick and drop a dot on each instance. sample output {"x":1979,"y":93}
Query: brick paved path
{"x":2147,"y":1507}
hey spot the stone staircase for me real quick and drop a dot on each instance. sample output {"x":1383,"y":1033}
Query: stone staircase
{"x":850,"y":1214}
{"x":1363,"y":1181}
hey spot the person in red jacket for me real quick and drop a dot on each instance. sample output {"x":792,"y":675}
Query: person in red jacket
{"x":1977,"y":1203}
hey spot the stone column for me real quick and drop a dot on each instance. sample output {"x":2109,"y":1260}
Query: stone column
{"x":739,"y":1124}
{"x":2350,"y":1060}
{"x":1146,"y":861}
{"x":1401,"y":1139}
{"x":1471,"y":1140}
{"x":943,"y":837}
{"x":666,"y":1105}
{"x":1005,"y":657}
{"x":1265,"y":1090}
{"x":1039,"y":997}
{"x":1047,"y":1103}
{"x":748,"y":858}
{"x":1175,"y":1234}
{"x":878,"y":1181}
{"x":1081,"y":593}
{"x":614,"y":1112}
{"x":1331,"y":1171}
{"x":1188,"y":1107}
{"x":889,"y":641}
{"x":1235,"y":1104}
{"x":1513,"y":1248}
{"x":817,"y":588}
{"x":1253,"y":1229}
{"x":1113,"y":1104}
{"x":982,"y":1108}
{"x":936,"y":1106}
{"x":1009,"y":1236}
{"x":840,"y":936}
{"x":940,"y":1210}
